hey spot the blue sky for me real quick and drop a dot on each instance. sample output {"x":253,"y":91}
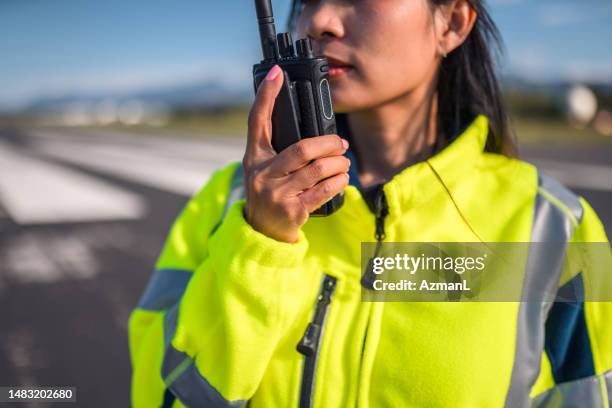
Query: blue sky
{"x":54,"y":47}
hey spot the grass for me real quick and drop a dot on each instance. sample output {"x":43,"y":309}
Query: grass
{"x":232,"y":122}
{"x":554,"y":131}
{"x":223,"y":122}
{"x":528,"y":130}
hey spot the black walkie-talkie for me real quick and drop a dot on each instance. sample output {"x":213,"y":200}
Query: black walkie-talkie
{"x":303,"y":107}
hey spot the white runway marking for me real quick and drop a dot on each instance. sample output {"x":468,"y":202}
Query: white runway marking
{"x":165,"y":175}
{"x":33,"y":191}
{"x":578,"y":175}
{"x":180,"y":167}
{"x":30,"y":259}
{"x":215,"y":149}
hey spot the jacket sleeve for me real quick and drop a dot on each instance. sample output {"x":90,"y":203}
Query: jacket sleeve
{"x":577,"y":363}
{"x":221,"y":297}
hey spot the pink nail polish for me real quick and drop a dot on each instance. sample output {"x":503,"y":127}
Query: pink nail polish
{"x":345,"y":143}
{"x":273,"y":73}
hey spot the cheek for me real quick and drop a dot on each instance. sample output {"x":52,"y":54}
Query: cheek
{"x":398,"y":51}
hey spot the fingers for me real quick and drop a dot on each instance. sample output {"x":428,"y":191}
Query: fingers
{"x":260,"y":117}
{"x":318,"y":195}
{"x":303,"y":152}
{"x":318,"y":170}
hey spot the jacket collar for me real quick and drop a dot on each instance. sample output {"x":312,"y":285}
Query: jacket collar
{"x":418,"y":183}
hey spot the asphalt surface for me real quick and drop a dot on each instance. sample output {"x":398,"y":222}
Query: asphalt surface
{"x":83,"y":215}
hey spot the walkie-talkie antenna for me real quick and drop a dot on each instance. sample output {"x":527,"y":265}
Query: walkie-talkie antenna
{"x":267,"y":30}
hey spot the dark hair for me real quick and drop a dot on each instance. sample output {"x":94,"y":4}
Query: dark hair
{"x":467,"y":83}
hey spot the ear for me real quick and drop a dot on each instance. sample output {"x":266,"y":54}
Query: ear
{"x":458,"y":18}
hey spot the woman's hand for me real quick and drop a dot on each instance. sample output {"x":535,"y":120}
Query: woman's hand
{"x":282,"y":189}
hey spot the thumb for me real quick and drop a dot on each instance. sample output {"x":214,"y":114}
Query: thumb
{"x":260,"y":116}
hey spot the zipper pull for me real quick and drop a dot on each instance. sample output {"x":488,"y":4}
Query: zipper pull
{"x":308,"y":343}
{"x":377,"y":202}
{"x":381,"y":210}
{"x":310,"y":340}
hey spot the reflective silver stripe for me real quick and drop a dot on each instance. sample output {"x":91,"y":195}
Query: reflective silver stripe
{"x":608,"y":387}
{"x":565,"y":196}
{"x":236,"y":193}
{"x":164,"y":289}
{"x":561,"y":200}
{"x":556,"y":213}
{"x":170,"y":324}
{"x":585,"y":393}
{"x":236,"y":189}
{"x":183,"y":378}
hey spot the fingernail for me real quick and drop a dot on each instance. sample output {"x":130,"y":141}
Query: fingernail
{"x":345,"y":143}
{"x":347,"y":176}
{"x":273,"y":73}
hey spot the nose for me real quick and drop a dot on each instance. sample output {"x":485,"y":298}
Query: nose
{"x":324,"y":22}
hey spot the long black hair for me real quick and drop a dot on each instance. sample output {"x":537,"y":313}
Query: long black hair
{"x":468,"y":84}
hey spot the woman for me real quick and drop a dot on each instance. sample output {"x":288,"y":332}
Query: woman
{"x":253,"y":300}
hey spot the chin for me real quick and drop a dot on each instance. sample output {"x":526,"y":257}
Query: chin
{"x":342,"y":100}
{"x":343,"y":108}
{"x":346,"y":105}
{"x":350,"y":97}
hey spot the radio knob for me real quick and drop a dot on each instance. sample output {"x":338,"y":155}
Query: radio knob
{"x":285,"y":45}
{"x":304,"y":48}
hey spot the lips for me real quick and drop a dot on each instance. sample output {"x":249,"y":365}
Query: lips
{"x":337,"y":67}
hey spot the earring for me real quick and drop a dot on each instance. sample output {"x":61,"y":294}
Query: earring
{"x":441,"y":50}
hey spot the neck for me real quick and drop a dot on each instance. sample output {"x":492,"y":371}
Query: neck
{"x":394,"y":135}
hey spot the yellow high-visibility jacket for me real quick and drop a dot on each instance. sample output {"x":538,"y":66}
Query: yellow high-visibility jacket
{"x":221,"y":319}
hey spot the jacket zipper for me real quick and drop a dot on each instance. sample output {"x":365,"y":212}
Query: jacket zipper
{"x":311,"y":341}
{"x":381,"y":210}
